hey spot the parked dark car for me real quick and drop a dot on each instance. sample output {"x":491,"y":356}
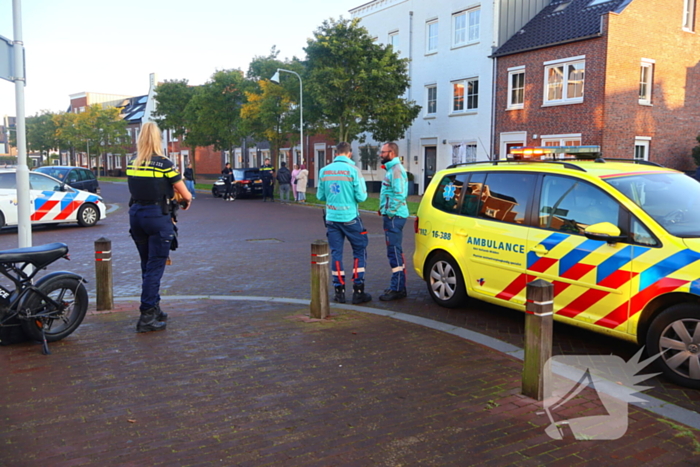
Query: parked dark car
{"x":247,"y":181}
{"x":76,"y":177}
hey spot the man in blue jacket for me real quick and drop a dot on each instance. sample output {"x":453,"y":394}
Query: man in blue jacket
{"x":393,"y":208}
{"x":342,"y":187}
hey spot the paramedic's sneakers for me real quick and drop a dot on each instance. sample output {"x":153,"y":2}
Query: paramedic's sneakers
{"x":390,"y":295}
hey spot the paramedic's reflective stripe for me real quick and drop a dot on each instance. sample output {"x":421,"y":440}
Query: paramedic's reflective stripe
{"x":342,"y":273}
{"x":398,"y":268}
{"x":336,"y":178}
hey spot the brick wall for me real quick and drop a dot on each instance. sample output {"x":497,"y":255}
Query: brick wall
{"x":611,"y":115}
{"x":652,"y":29}
{"x":585,"y":118}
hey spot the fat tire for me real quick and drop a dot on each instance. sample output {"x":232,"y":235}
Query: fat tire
{"x":73,"y":291}
{"x":661,"y":328}
{"x":91,"y":220}
{"x":453,"y":292}
{"x":215,"y":192}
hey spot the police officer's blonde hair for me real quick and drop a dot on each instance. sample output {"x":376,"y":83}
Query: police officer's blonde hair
{"x":149,"y":143}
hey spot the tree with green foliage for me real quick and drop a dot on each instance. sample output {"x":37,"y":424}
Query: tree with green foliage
{"x":214,"y":111}
{"x":266,"y":114}
{"x":41,"y":133}
{"x":172,"y":99}
{"x":269,"y":113}
{"x":99,"y":130}
{"x":355,"y":84}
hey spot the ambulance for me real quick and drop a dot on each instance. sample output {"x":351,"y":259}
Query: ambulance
{"x":619,"y":239}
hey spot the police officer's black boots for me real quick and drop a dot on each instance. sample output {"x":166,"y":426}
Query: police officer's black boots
{"x":148,"y":321}
{"x":160,"y":314}
{"x":339,"y":294}
{"x":359,"y":295}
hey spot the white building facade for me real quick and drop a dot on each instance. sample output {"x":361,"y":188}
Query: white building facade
{"x":448,"y":44}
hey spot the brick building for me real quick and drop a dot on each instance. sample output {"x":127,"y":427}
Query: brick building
{"x":621,"y":74}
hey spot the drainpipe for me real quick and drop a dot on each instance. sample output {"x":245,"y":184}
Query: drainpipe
{"x":410,"y":86}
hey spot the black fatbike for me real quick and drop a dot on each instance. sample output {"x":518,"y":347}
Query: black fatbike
{"x":48,"y":310}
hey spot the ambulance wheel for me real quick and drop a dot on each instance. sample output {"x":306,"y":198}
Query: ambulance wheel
{"x":445,"y":282}
{"x":676,"y":333}
{"x":88,"y":215}
{"x":2,"y":220}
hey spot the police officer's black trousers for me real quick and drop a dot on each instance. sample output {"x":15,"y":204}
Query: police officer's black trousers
{"x":153,"y":233}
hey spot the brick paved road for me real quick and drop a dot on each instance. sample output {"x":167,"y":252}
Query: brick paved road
{"x":250,"y":384}
{"x":253,"y":248}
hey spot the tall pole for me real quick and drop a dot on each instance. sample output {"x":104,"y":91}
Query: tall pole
{"x":24,"y":226}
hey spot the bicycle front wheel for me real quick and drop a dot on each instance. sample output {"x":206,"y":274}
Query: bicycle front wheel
{"x":72,"y":299}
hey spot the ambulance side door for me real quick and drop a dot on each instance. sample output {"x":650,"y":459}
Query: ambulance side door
{"x":591,"y":278}
{"x":493,"y":230}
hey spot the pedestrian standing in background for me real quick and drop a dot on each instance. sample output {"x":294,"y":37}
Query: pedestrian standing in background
{"x":342,"y":186}
{"x":393,"y":209}
{"x":189,"y":179}
{"x":227,"y":175}
{"x":284,"y":178}
{"x":302,"y":181}
{"x":267,"y":175}
{"x":295,"y":172}
{"x":153,"y":181}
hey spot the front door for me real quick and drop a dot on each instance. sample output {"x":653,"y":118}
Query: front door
{"x":591,"y":278}
{"x":430,"y":163}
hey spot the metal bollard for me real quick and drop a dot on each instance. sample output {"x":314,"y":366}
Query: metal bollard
{"x":103,"y":274}
{"x":320,"y":255}
{"x":539,"y":321}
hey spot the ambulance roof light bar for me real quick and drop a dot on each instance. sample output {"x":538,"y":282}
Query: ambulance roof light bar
{"x":538,"y":152}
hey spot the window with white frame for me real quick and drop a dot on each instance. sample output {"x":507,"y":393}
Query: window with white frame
{"x":394,"y":40}
{"x":465,"y":27}
{"x":516,"y":87}
{"x":463,"y":153}
{"x":431,"y":36}
{"x":645,"y":81}
{"x":641,"y":148}
{"x":573,"y":139}
{"x":689,"y":15}
{"x":431,"y":99}
{"x":564,"y":80}
{"x":465,"y":95}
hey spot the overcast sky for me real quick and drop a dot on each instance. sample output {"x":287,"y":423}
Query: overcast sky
{"x":111,"y":47}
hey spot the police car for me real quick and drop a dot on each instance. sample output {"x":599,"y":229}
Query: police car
{"x":619,"y":240}
{"x":52,"y":201}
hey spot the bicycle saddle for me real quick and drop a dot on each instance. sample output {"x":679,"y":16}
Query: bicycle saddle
{"x":37,"y":255}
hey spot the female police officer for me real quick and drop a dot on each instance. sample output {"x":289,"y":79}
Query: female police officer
{"x":152,"y":179}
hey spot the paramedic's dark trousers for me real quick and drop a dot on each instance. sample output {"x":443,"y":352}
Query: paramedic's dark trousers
{"x":393,"y":231}
{"x":355,"y":232}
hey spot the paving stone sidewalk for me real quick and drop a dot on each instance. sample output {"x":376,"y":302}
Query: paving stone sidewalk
{"x":256,"y":383}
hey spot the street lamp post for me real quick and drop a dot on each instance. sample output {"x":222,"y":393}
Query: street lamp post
{"x":276,"y":79}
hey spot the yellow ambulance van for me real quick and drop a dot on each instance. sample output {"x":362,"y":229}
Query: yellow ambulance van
{"x":618,"y":239}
